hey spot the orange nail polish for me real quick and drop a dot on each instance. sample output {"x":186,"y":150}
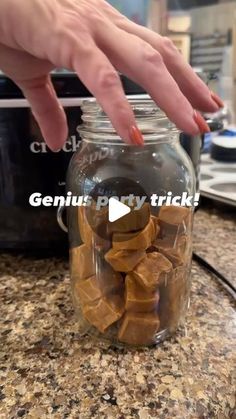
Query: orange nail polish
{"x":136,"y":136}
{"x":200,"y":121}
{"x":217,"y":100}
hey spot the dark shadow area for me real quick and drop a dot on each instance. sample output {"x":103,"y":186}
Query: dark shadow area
{"x":188,"y":4}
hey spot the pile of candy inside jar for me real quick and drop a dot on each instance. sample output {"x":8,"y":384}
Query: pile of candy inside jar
{"x":134,"y":284}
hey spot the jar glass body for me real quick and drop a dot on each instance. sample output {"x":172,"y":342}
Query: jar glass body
{"x":130,"y":277}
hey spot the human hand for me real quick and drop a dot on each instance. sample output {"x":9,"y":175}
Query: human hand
{"x":93,"y":39}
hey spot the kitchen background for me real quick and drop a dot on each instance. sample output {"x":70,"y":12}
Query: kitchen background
{"x":205,"y":33}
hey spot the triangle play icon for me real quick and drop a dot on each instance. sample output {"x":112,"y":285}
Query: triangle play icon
{"x":117,"y":210}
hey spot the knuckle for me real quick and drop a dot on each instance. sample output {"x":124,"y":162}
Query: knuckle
{"x":168,"y":46}
{"x":151,"y":56}
{"x":107,"y":79}
{"x":68,"y":47}
{"x":93,"y":16}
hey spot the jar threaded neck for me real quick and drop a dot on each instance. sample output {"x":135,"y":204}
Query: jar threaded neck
{"x":152,"y":122}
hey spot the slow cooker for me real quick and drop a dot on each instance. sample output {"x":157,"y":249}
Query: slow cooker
{"x":28,"y":166}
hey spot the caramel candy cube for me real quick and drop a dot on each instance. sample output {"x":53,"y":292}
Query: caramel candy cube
{"x":110,"y":281}
{"x":94,"y":235}
{"x":124,"y":260}
{"x":88,"y":290}
{"x":104,"y":312}
{"x":170,"y":250}
{"x":155,"y":221}
{"x":99,"y":216}
{"x":184,"y":246}
{"x":174,"y":295}
{"x":172,"y":256}
{"x":138,"y":299}
{"x":82,"y":262}
{"x":179,"y":243}
{"x":152,"y":270}
{"x":103,"y":283}
{"x":86,"y":233}
{"x":139,"y":328}
{"x":134,"y":221}
{"x":135,"y":241}
{"x":177,"y":250}
{"x":174,"y":220}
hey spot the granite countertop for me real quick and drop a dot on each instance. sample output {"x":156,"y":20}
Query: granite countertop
{"x":48,"y":371}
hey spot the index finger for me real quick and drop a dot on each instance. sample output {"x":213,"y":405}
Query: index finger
{"x":97,"y":73}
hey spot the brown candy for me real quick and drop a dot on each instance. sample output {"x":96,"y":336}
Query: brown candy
{"x":152,"y":270}
{"x":86,"y":233}
{"x":174,"y":220}
{"x":170,"y":253}
{"x":99,"y":216}
{"x":102,"y":238}
{"x":172,"y":256}
{"x":178,"y":243}
{"x":139,"y":329}
{"x":104,"y":312}
{"x":93,"y":235}
{"x":175,"y":250}
{"x":134,"y":221}
{"x":137,"y":298}
{"x":99,"y":285}
{"x":153,"y":251}
{"x":173,"y":298}
{"x":155,"y":221}
{"x":124,"y":260}
{"x":110,"y":281}
{"x":135,"y":241}
{"x":87,"y":291}
{"x":82,"y":262}
{"x":184,"y":246}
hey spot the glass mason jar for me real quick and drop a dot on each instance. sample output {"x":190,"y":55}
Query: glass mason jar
{"x":130,"y":276}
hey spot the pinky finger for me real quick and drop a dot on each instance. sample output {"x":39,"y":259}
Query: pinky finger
{"x":47,"y":111}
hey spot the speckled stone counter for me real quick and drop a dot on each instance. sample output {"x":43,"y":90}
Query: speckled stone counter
{"x":48,"y":371}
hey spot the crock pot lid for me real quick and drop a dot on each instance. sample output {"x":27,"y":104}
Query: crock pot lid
{"x":66,"y":85}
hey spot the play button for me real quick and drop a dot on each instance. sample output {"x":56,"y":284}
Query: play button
{"x":117,"y":210}
{"x":111,"y":210}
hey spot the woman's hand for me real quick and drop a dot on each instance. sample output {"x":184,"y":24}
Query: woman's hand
{"x":93,"y":39}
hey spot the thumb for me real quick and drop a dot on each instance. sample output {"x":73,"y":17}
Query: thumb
{"x":47,"y":111}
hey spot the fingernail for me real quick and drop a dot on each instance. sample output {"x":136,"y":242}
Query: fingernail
{"x":136,"y":136}
{"x":200,"y":121}
{"x":217,"y":100}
